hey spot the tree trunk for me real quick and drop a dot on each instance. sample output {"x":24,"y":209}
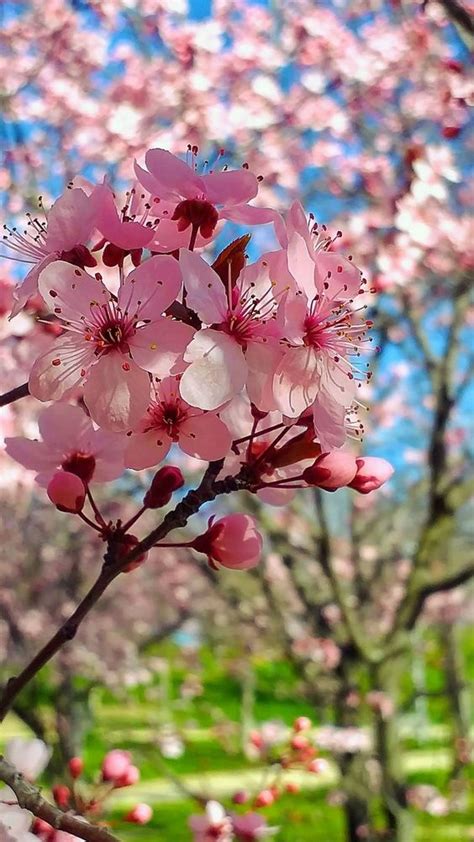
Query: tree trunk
{"x":456,"y":692}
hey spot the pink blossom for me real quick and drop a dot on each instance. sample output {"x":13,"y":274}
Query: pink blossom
{"x":169,"y":418}
{"x":109,"y":346}
{"x":242,"y":344}
{"x":214,"y":826}
{"x":127,"y":232}
{"x":180,"y":195}
{"x":372,"y":473}
{"x":69,"y":442}
{"x":63,"y":235}
{"x":322,"y":334}
{"x":67,"y":491}
{"x":232,"y":541}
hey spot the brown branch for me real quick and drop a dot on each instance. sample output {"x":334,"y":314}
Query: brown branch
{"x":458,"y":15}
{"x":208,"y":490}
{"x":14,"y":394}
{"x":30,"y":798}
{"x":448,"y":583}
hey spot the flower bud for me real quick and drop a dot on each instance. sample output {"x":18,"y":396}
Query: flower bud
{"x":331,"y":470}
{"x":302,"y":723}
{"x":131,"y":777}
{"x":67,"y":492}
{"x":240,"y":797}
{"x":372,"y":473}
{"x":298,"y":742}
{"x":140,"y":814}
{"x":232,"y":541}
{"x":42,"y":829}
{"x":76,"y":767}
{"x":167,"y":480}
{"x":61,"y":795}
{"x":115,"y":764}
{"x":264,"y":798}
{"x":292,"y":787}
{"x":317,"y":765}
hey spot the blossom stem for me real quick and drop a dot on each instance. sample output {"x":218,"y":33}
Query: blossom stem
{"x":89,"y":522}
{"x":270,"y":447}
{"x":95,"y":508}
{"x":260,"y":433}
{"x":133,"y":519}
{"x":193,"y":238}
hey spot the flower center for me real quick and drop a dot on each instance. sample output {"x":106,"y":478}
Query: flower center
{"x":199,"y":213}
{"x":81,"y":464}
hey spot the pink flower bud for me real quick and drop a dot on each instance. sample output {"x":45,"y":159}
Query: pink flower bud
{"x":232,"y":541}
{"x":302,"y":723}
{"x":131,"y":777}
{"x":292,"y":787}
{"x":299,"y":742}
{"x":240,"y":797}
{"x":317,"y":765}
{"x":264,"y":798}
{"x":331,"y":470}
{"x":115,"y":765}
{"x":61,"y":795}
{"x":167,"y":480}
{"x":67,"y":492}
{"x":76,"y":767}
{"x":140,"y":814}
{"x":372,"y":472}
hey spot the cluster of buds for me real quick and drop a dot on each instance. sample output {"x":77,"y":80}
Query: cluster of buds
{"x":89,"y":799}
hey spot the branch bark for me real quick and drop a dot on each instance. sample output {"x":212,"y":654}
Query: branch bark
{"x":30,"y":798}
{"x":14,"y":394}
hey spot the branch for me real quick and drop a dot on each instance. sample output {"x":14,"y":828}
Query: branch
{"x":208,"y":490}
{"x":15,"y":394}
{"x":459,"y":15}
{"x":448,"y":583}
{"x":30,"y":798}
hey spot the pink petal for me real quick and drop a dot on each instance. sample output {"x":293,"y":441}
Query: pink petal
{"x":166,"y":236}
{"x":62,"y":367}
{"x":342,"y":277}
{"x":117,"y":392}
{"x":337,"y":380}
{"x":329,"y":422}
{"x":150,"y":288}
{"x":218,"y":370}
{"x":63,"y":425}
{"x":159,"y":347}
{"x":70,"y":221}
{"x":251,"y":215}
{"x":301,"y":265}
{"x":205,"y":437}
{"x":230,"y":188}
{"x":125,"y":235}
{"x":296,"y":381}
{"x":205,"y":290}
{"x":29,"y":286}
{"x":109,"y":455}
{"x":69,"y":291}
{"x":33,"y":455}
{"x":145,"y":450}
{"x":263,"y":359}
{"x":173,"y":176}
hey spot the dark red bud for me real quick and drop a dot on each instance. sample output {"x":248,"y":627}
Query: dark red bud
{"x":61,"y":795}
{"x":167,"y":480}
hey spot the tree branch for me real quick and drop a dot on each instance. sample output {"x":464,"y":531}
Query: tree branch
{"x":30,"y":798}
{"x":208,"y":490}
{"x":15,"y":394}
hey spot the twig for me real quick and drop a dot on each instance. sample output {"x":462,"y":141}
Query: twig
{"x":15,"y":394}
{"x":30,"y":798}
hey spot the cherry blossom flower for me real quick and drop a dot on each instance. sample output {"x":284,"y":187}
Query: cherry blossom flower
{"x":67,"y":491}
{"x":30,"y":757}
{"x":70,"y":442}
{"x":242,"y":346}
{"x":15,"y":822}
{"x":63,"y":236}
{"x":184,"y":199}
{"x":372,"y":473}
{"x":214,"y":826}
{"x":170,"y":419}
{"x":322,"y":333}
{"x":110,"y":346}
{"x":251,"y":827}
{"x":125,"y":233}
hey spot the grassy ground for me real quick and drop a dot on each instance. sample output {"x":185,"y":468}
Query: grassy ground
{"x":217,"y":767}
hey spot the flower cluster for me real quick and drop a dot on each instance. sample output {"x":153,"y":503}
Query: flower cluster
{"x":256,"y":363}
